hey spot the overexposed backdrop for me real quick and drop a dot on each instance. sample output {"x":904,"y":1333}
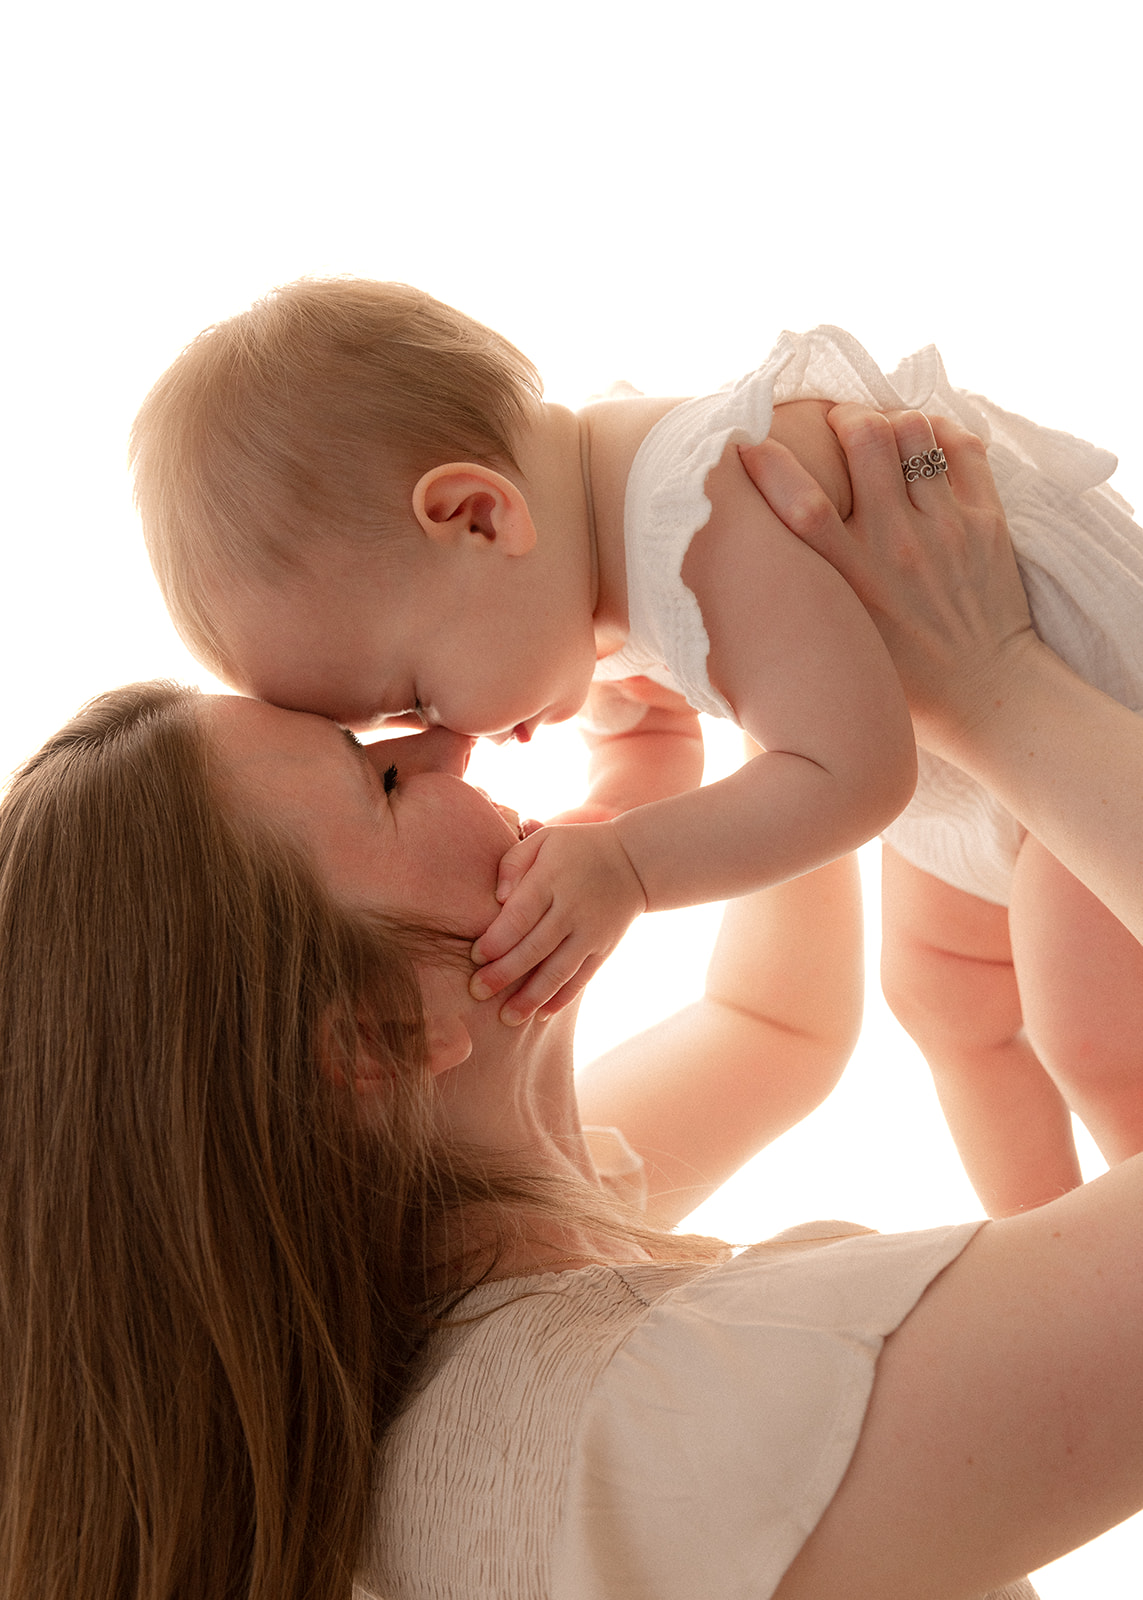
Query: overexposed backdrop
{"x":624,"y":193}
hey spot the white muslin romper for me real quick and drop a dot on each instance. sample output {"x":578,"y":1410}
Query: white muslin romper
{"x":1079,"y":551}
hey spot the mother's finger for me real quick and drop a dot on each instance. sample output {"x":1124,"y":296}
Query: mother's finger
{"x":923,"y":463}
{"x":796,"y":497}
{"x":873,"y":453}
{"x":970,"y":476}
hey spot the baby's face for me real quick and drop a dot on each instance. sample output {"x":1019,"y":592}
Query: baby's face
{"x":492,"y":662}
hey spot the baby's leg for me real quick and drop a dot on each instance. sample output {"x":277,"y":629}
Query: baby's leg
{"x":1081,"y":981}
{"x":947,"y":972}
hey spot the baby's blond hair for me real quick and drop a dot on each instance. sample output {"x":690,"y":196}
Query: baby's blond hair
{"x":310,"y":417}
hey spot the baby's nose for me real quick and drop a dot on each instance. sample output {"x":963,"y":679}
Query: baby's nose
{"x":435,"y":750}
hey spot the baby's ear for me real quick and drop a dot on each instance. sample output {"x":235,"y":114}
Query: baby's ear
{"x":463,"y":501}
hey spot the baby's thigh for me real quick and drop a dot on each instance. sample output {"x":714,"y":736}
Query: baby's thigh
{"x":1080,"y":975}
{"x":946,"y":959}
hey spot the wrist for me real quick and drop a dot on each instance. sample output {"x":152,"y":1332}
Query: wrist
{"x":988,"y":700}
{"x":625,"y":838}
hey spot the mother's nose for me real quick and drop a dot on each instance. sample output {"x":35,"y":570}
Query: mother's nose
{"x":435,"y":750}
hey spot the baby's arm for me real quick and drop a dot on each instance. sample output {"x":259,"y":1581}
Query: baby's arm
{"x":645,"y":744}
{"x":702,"y":1091}
{"x":796,"y":655}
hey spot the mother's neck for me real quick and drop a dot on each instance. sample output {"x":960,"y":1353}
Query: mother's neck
{"x":515,"y":1093}
{"x":514,"y":1096}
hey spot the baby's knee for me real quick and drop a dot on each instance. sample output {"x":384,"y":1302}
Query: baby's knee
{"x":911,"y":983}
{"x":1091,"y":1048}
{"x":945,"y":999}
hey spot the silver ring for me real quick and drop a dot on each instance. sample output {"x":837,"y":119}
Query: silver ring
{"x":926,"y":465}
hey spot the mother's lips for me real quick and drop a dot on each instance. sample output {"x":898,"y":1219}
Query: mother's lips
{"x":512,"y":818}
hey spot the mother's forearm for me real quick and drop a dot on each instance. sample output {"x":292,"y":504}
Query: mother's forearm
{"x":1067,"y":761}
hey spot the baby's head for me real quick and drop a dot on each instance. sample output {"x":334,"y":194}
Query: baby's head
{"x":289,"y":440}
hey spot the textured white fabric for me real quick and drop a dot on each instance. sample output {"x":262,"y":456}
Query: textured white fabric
{"x":652,"y":1432}
{"x":1079,"y":551}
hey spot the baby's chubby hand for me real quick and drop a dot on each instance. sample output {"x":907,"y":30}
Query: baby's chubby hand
{"x":568,"y":895}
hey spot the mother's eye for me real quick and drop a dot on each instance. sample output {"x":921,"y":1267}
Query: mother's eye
{"x":389,"y":779}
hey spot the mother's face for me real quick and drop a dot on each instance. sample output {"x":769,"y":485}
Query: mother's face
{"x":390,"y":825}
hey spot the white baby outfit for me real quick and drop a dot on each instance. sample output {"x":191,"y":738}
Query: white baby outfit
{"x":1079,"y":551}
{"x":650,"y":1432}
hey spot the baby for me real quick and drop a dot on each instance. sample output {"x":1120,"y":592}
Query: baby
{"x":358,"y":504}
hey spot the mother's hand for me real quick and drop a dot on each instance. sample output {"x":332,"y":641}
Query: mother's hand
{"x":931,"y":560}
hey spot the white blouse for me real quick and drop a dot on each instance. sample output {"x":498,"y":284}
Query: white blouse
{"x":644,"y":1432}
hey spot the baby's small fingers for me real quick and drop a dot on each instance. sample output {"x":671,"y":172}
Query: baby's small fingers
{"x":572,"y":990}
{"x":491,"y":979}
{"x":504,"y":956}
{"x":515,"y":864}
{"x":542,"y":992}
{"x":516,"y":921}
{"x":514,"y":949}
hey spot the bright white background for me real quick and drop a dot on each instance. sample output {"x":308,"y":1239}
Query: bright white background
{"x":623,"y":196}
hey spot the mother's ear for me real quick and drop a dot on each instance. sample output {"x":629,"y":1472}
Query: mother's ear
{"x":463,"y":500}
{"x":449,"y":1043}
{"x":366,"y":1065}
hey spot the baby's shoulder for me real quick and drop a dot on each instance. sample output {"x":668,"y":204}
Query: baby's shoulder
{"x":612,"y":432}
{"x":617,"y":424}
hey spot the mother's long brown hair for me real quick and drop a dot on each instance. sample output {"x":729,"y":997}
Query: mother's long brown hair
{"x":212,"y":1282}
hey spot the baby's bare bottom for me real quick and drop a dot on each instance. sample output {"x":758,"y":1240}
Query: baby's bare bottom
{"x":1024,"y":1014}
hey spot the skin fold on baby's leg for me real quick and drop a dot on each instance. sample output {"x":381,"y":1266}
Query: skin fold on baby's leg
{"x":1081,"y":983}
{"x":948,"y":976}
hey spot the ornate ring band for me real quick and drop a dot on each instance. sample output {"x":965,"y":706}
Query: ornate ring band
{"x":926,"y":465}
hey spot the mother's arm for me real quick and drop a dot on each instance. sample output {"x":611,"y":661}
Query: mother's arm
{"x":1004,"y":1424}
{"x":1003,"y":1430}
{"x":700,"y":1093}
{"x":934,"y":567}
